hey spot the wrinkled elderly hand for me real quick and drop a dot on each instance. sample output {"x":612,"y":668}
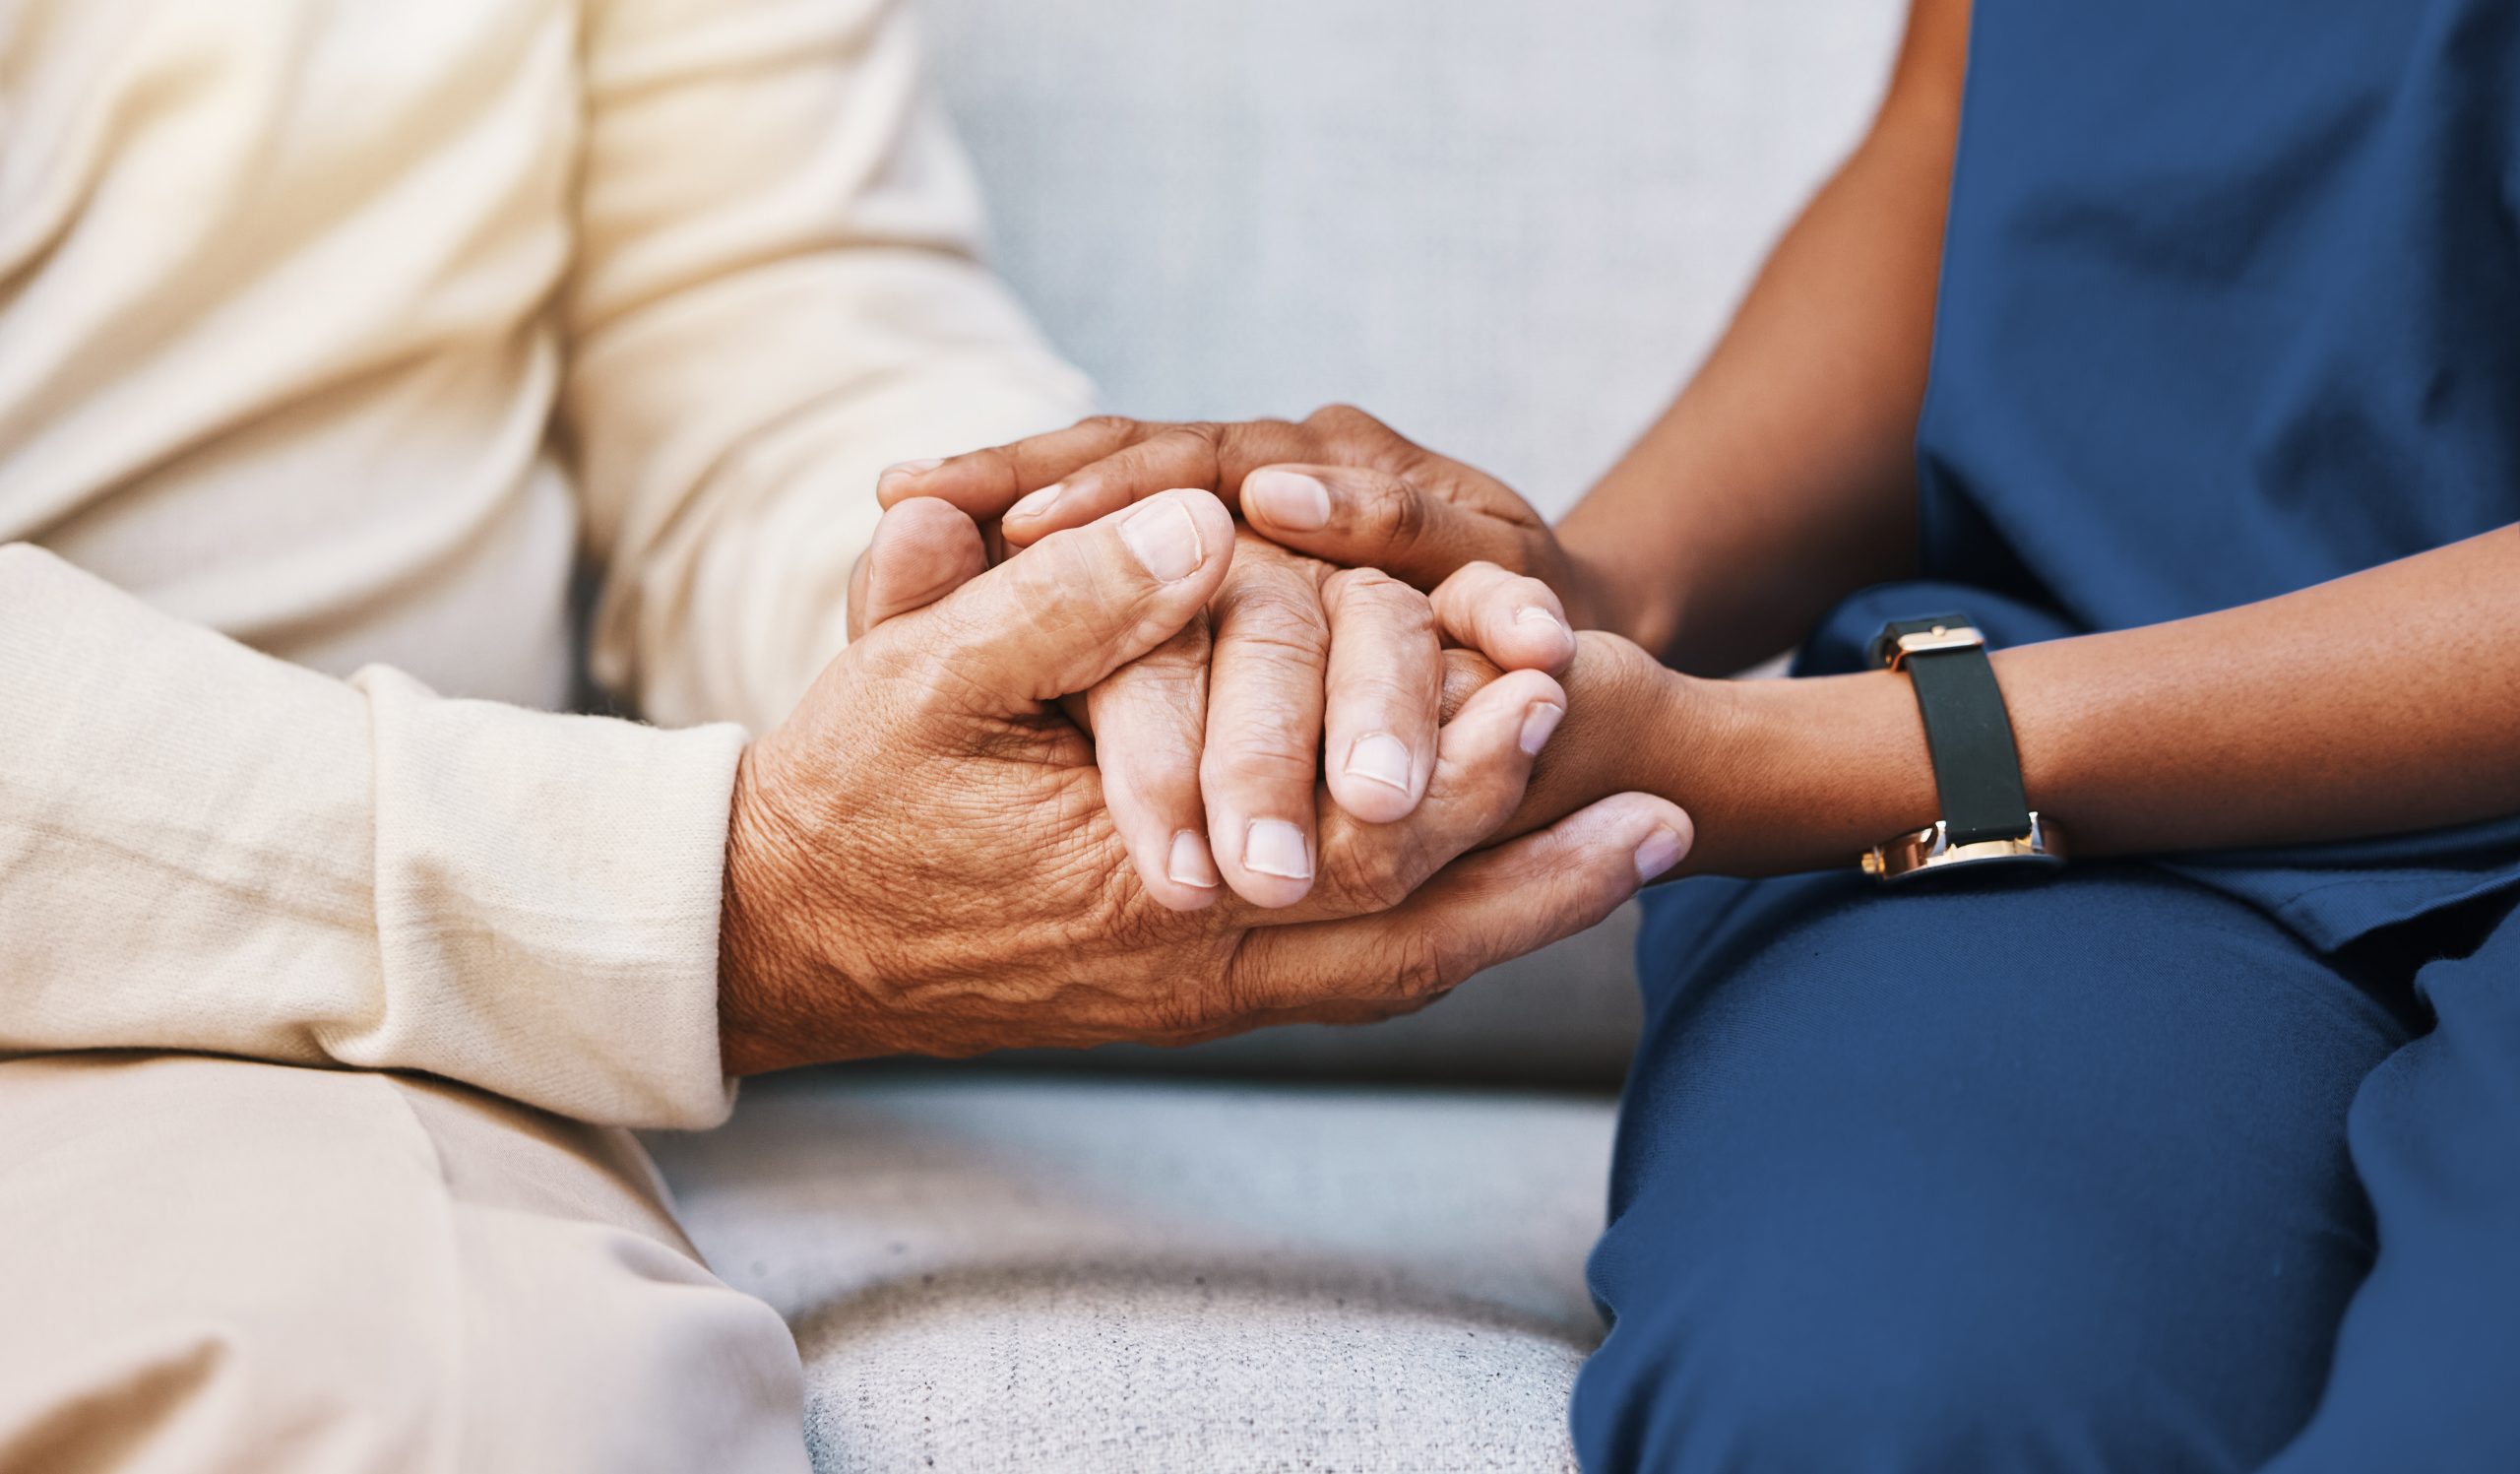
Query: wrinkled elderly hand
{"x":1297,"y":671}
{"x":920,"y":858}
{"x":1340,"y":485}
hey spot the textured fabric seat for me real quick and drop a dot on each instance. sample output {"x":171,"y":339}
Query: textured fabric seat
{"x":987,"y":1269}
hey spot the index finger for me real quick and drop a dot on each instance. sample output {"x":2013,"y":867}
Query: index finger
{"x":1212,"y":457}
{"x":984,"y":484}
{"x":1148,"y":460}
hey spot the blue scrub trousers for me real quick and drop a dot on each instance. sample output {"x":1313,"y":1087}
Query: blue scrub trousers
{"x":2107,"y":1172}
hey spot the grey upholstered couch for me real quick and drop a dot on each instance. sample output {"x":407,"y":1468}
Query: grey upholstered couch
{"x":1508,"y":226}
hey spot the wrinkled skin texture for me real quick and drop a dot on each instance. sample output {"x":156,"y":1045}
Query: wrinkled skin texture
{"x":922,"y":859}
{"x":1295,"y":673}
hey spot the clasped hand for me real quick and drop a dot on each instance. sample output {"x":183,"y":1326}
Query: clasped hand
{"x":926,"y":859}
{"x":1319,"y":650}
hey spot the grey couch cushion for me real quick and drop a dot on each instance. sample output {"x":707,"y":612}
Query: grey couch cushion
{"x":989,"y":1271}
{"x":1507,"y":226}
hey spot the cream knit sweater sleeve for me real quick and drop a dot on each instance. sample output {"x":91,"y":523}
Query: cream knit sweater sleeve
{"x":204,"y":848}
{"x":777,"y":294}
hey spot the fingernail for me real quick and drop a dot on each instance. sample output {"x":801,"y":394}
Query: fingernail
{"x":1382,"y":758}
{"x":1289,"y":500}
{"x":1034,"y":504}
{"x":1164,"y":539}
{"x":1190,"y":864}
{"x":1659,"y":852}
{"x":1273,"y":847}
{"x":907,"y":468}
{"x":1538,"y":723}
{"x":1531,"y":613}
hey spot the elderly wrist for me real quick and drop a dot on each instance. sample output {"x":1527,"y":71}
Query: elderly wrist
{"x":773,"y":960}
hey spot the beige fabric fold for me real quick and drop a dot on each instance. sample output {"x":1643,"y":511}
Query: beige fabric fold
{"x":216,"y":1264}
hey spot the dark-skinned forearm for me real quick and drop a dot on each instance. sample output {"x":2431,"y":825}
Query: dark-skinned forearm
{"x":2383,"y":702}
{"x":1783,"y":477}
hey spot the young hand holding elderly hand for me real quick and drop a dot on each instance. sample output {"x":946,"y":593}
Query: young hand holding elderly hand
{"x":923,"y":859}
{"x":1211,"y":745}
{"x":2128,"y":732}
{"x":1342,"y":491}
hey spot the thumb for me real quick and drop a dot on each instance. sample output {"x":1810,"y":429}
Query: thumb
{"x":1058,"y":617}
{"x":922,"y":550}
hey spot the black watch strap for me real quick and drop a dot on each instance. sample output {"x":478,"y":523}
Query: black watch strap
{"x":1976,"y":769}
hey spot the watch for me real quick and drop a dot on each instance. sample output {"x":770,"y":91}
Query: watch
{"x":1977,"y":770}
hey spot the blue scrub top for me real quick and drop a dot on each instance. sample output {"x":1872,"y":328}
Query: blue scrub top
{"x":2230,"y":306}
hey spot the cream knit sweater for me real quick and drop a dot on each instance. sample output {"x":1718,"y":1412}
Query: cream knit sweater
{"x":342,"y":329}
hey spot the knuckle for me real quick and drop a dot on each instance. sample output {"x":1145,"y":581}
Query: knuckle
{"x":1383,"y":598}
{"x":1274,"y":616}
{"x":1374,"y":879}
{"x":1180,"y":455}
{"x":1344,"y":422}
{"x":1158,"y":681}
{"x":1400,"y":510}
{"x":1233,"y":993}
{"x":1418,"y":970}
{"x":1244,"y":757}
{"x":998,"y":464}
{"x":1256,"y":440}
{"x":1274,"y":649}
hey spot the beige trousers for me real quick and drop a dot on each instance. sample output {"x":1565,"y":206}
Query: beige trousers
{"x":208,"y":1264}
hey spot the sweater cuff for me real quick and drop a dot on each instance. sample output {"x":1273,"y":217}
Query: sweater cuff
{"x":547,"y":898}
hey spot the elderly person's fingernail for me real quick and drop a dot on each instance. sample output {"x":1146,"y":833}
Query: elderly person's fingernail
{"x":1288,"y":499}
{"x":893,"y":473}
{"x":1034,"y":504}
{"x":1380,"y":757}
{"x":1659,"y":852}
{"x":1273,"y":847}
{"x":1538,"y":724}
{"x":1164,"y":539}
{"x":1190,"y":864}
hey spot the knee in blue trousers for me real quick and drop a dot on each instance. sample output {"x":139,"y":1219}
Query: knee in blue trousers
{"x":2079,"y":1174}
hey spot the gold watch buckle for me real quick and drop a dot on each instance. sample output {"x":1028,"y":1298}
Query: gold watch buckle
{"x":1941,"y":637}
{"x":1932,"y":849}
